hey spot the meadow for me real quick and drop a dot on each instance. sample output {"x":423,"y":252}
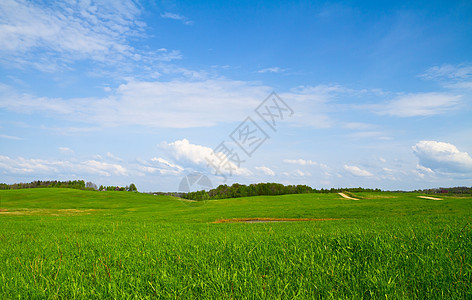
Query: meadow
{"x":65,"y":243}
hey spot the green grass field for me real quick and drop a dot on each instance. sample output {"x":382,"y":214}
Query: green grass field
{"x":64,"y":243}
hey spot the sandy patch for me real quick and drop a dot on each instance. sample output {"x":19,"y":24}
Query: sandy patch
{"x":430,"y":198}
{"x":346,"y":196}
{"x":267,"y":220}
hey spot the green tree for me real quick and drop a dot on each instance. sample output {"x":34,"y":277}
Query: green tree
{"x":132,"y":188}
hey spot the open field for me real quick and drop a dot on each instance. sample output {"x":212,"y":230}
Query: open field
{"x":64,"y":243}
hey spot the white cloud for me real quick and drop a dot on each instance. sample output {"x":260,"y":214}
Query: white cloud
{"x":312,"y":104}
{"x":448,"y":71}
{"x":266,"y":170}
{"x":424,"y":169}
{"x":22,"y":165}
{"x":358,"y":126}
{"x":271,"y":70}
{"x":451,"y":76}
{"x":442,"y":156}
{"x":301,"y":162}
{"x":173,"y":16}
{"x":356,"y":171}
{"x":420,"y":104}
{"x":113,"y":157}
{"x":66,"y":150}
{"x":196,"y":155}
{"x":174,"y":104}
{"x":9,"y":137}
{"x":52,"y":36}
{"x":102,"y":168}
{"x":302,"y":174}
{"x":298,"y":173}
{"x":368,"y":134}
{"x":167,"y":164}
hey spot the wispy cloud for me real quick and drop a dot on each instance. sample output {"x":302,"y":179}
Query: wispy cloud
{"x":266,"y":170}
{"x":114,"y":157}
{"x":174,"y":104}
{"x":52,"y":37}
{"x":301,"y":162}
{"x":451,"y":76}
{"x":66,"y":150}
{"x":174,"y":16}
{"x":419,"y":104}
{"x":9,"y":137}
{"x":356,"y":171}
{"x":34,"y":166}
{"x":271,"y":70}
{"x":447,"y":71}
{"x":297,"y":173}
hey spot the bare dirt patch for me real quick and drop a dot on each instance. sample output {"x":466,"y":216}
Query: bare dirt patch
{"x":346,"y":196}
{"x":267,"y":220}
{"x":430,"y":198}
{"x":3,"y":209}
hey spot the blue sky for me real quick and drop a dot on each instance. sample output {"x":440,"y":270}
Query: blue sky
{"x":148,"y":92}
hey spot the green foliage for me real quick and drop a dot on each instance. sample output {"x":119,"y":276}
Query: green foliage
{"x":72,"y":184}
{"x":263,"y":189}
{"x":460,"y":190}
{"x":132,"y":188}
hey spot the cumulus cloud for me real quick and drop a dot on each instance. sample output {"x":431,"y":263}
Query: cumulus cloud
{"x":356,"y":171}
{"x":266,"y":170}
{"x":442,"y":157}
{"x":420,"y":104}
{"x":200,"y":156}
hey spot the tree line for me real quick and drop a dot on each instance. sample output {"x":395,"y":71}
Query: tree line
{"x":458,"y":190}
{"x":263,"y":189}
{"x":71,"y":184}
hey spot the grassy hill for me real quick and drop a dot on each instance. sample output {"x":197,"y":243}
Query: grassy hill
{"x":81,"y":244}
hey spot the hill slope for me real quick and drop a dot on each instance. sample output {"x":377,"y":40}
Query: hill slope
{"x":83,"y":244}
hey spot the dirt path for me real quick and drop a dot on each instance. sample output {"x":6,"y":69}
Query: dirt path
{"x":266,"y":220}
{"x":346,"y":196}
{"x":431,"y":198}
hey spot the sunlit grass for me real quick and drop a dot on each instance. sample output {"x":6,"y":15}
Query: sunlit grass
{"x":120,"y":244}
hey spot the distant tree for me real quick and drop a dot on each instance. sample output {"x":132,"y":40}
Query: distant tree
{"x":132,"y":188}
